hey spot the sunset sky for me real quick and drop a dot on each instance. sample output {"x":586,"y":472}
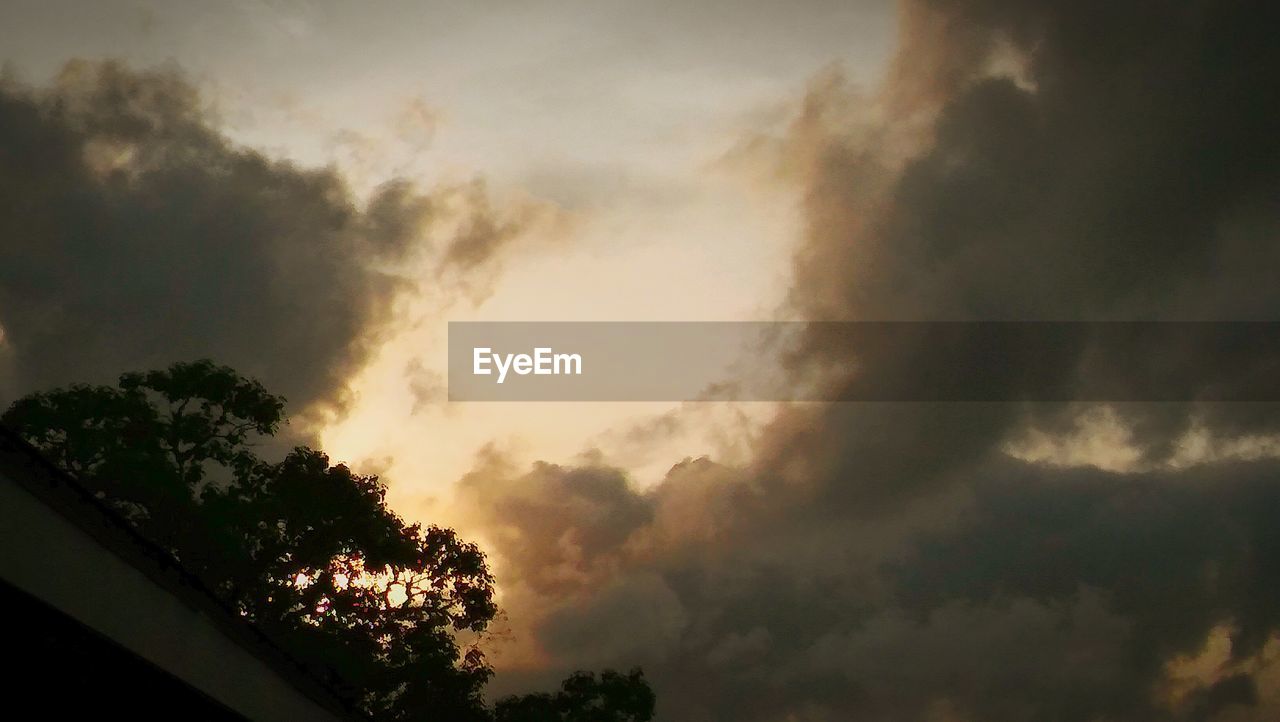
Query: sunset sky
{"x":310,"y":191}
{"x":620,"y":123}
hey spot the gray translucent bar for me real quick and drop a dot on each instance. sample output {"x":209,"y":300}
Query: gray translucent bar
{"x":865,"y":361}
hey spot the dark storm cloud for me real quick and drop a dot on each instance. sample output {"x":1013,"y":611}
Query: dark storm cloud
{"x":1130,"y":174}
{"x":1119,"y":186}
{"x":891,"y":561}
{"x":1023,"y":593}
{"x":136,"y":234}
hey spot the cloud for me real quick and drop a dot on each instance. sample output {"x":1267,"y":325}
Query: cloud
{"x":553,"y":523}
{"x":1024,"y":161}
{"x":136,"y":234}
{"x":427,"y":388}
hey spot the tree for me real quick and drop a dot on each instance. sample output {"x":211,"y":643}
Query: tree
{"x":306,"y":550}
{"x":613,"y":697}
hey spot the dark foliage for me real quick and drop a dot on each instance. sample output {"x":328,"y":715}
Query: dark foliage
{"x":306,"y":550}
{"x":613,"y":697}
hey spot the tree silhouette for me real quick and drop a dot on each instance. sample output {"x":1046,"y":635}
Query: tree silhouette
{"x":613,"y":697}
{"x":306,"y":550}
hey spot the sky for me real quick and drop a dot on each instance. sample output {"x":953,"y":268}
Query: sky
{"x":611,"y":117}
{"x":310,"y":191}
